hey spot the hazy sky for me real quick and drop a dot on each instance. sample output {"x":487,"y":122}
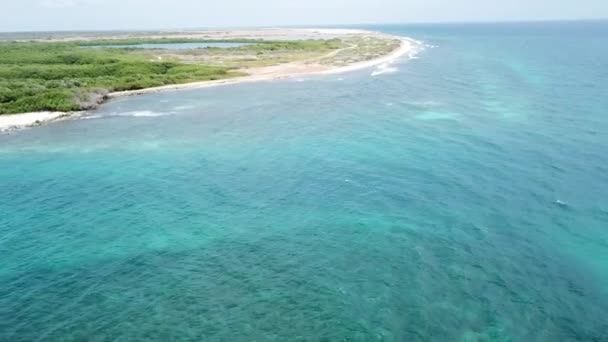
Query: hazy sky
{"x":26,"y":15}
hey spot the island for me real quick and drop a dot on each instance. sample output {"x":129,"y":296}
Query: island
{"x":46,"y":78}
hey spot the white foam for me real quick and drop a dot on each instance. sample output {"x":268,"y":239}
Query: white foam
{"x":178,"y":108}
{"x":142,"y":114}
{"x":418,"y":47}
{"x":134,"y":114}
{"x":384,"y":68}
{"x":422,"y":103}
{"x":415,"y":52}
{"x":90,"y":117}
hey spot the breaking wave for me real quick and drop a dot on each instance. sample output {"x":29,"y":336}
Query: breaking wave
{"x":384,"y":68}
{"x":142,"y":114}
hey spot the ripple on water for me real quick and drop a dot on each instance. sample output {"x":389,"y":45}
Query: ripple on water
{"x":302,"y":210}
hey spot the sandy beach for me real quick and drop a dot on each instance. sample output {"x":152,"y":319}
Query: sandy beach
{"x":11,"y":122}
{"x":283,"y":71}
{"x":275,"y":72}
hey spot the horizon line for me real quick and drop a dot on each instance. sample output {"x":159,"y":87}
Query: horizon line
{"x":351,"y":25}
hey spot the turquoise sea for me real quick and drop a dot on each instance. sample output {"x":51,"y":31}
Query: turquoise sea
{"x":461,"y":195}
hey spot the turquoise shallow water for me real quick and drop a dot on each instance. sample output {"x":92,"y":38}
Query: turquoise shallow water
{"x":462,"y":197}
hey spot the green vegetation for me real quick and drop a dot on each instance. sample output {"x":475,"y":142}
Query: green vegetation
{"x":135,"y":41}
{"x":64,"y":76}
{"x":362,"y":49}
{"x":261,"y":54}
{"x":300,"y":45}
{"x":257,"y":44}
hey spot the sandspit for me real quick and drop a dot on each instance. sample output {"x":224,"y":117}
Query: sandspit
{"x":300,"y":68}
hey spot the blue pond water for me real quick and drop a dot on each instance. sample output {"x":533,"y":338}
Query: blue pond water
{"x":175,"y":46}
{"x":463,"y":196}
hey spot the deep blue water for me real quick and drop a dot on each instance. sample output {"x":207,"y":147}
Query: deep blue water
{"x":463,"y":197}
{"x":174,"y":46}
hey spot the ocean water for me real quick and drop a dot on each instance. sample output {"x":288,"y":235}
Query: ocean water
{"x":460,"y":194}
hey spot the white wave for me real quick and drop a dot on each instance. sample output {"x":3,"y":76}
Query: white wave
{"x":385,"y":68}
{"x":134,"y":114}
{"x":414,"y":54}
{"x":417,"y":42}
{"x":90,"y":117}
{"x":142,"y":114}
{"x":418,"y":47}
{"x":178,"y":108}
{"x":429,"y":103}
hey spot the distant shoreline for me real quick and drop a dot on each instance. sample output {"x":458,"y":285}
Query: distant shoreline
{"x":282,"y":72}
{"x":10,"y":122}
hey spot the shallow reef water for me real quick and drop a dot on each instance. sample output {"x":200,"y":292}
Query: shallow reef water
{"x":462,"y":196}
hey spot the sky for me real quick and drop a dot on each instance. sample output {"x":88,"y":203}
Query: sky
{"x":52,"y":15}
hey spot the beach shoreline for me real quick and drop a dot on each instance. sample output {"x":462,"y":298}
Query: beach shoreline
{"x":285,"y":71}
{"x":11,"y":122}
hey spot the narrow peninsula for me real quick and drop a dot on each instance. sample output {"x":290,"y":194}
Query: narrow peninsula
{"x":48,"y":78}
